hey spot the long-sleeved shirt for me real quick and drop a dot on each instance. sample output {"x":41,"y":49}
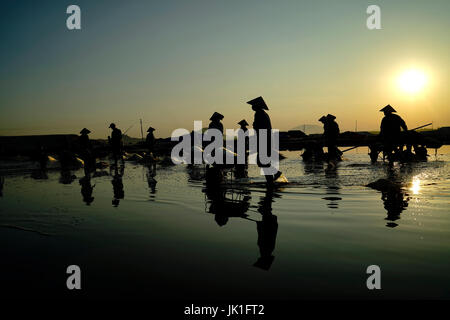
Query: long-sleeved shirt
{"x":391,"y":125}
{"x":261,"y":120}
{"x":116,"y":137}
{"x":331,"y":130}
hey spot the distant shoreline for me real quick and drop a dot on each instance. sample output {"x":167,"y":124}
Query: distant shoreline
{"x":289,"y":140}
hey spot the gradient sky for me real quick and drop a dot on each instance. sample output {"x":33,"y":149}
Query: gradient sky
{"x":173,"y":62}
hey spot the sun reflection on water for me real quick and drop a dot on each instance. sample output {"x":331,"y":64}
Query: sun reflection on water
{"x":415,"y":187}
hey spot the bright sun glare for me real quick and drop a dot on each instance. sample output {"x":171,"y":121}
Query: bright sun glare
{"x":415,"y":187}
{"x":412,"y":80}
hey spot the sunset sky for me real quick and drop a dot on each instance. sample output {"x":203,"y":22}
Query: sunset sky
{"x":173,"y":62}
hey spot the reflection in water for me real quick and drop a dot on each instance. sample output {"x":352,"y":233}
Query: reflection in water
{"x":196,"y":173}
{"x":393,"y":194}
{"x":226,"y":203}
{"x":394,"y":202}
{"x":68,"y":162}
{"x":394,"y":197}
{"x":332,"y":189}
{"x":267,"y":231}
{"x":151,"y":173}
{"x":87,"y":189}
{"x":415,"y":188}
{"x":117,"y":183}
{"x":255,"y":247}
{"x":39,"y":174}
{"x":332,"y":181}
{"x":313,"y":167}
{"x":241,"y":171}
{"x":66,"y":176}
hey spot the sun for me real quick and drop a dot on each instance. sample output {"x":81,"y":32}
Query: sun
{"x":412,"y":81}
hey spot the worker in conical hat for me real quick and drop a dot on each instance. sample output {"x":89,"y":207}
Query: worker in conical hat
{"x":215,"y":122}
{"x":150,"y":140}
{"x":86,"y":153}
{"x":331,"y":134}
{"x":243,"y":124}
{"x":116,"y":142}
{"x":84,"y":139}
{"x":390,"y":129}
{"x":241,"y":170}
{"x":262,"y":122}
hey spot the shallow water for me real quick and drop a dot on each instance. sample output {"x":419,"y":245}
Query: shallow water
{"x":168,"y":237}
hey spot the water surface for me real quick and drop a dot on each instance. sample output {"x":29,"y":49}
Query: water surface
{"x":167,"y":236}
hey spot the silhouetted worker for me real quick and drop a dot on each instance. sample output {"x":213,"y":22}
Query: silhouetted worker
{"x":215,"y":122}
{"x":86,"y":150}
{"x":85,"y":143}
{"x":313,"y":152}
{"x":244,"y":124}
{"x":42,"y":157}
{"x":331,"y":133}
{"x":244,"y":128}
{"x":420,"y":153}
{"x":215,"y":170}
{"x":323,"y":119}
{"x":390,"y":129}
{"x":150,"y":140}
{"x":241,"y":169}
{"x":116,"y":142}
{"x":374,"y":151}
{"x":262,"y":121}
